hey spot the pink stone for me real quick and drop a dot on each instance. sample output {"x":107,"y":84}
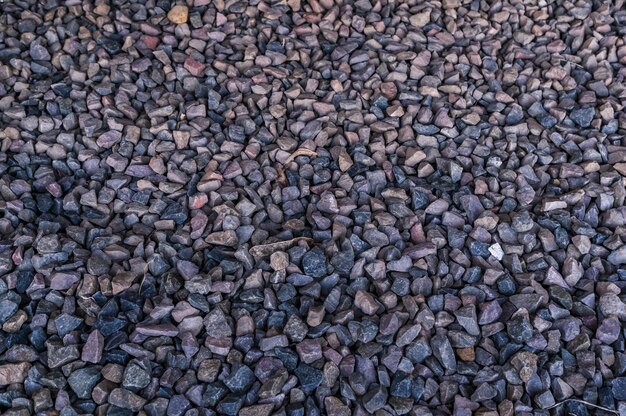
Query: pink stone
{"x":194,"y":67}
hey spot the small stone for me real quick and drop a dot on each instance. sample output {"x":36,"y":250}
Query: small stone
{"x":618,"y":386}
{"x":295,"y":329}
{"x":314,"y":263}
{"x":496,"y":251}
{"x":583,"y":116}
{"x":335,"y":407}
{"x":618,"y":256}
{"x":468,"y":319}
{"x":223,"y":238}
{"x":418,"y":351}
{"x":83,"y":380}
{"x":484,"y":392}
{"x":310,"y":378}
{"x":375,"y":399}
{"x":136,"y":377}
{"x":611,"y":305}
{"x":257,"y":410}
{"x":519,"y":327}
{"x":365,"y":302}
{"x":609,"y":330}
{"x":240,"y":379}
{"x":309,"y":351}
{"x":545,"y":400}
{"x":39,"y":52}
{"x":420,"y":20}
{"x":217,"y":325}
{"x":442,"y":350}
{"x":7,"y":309}
{"x":126,"y":400}
{"x":178,"y":405}
{"x":156,"y":330}
{"x":178,"y":14}
{"x":92,"y":350}
{"x":279,"y":260}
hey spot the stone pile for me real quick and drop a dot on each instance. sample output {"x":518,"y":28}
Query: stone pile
{"x":312,"y":207}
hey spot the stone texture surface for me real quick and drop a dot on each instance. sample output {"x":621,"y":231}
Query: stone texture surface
{"x":312,"y":208}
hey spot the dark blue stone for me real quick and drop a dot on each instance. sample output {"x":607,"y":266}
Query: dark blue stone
{"x":108,"y":325}
{"x":295,"y":409}
{"x":479,"y":249}
{"x":508,"y":205}
{"x":401,"y":385}
{"x":562,"y":237}
{"x":286,"y":292}
{"x":546,"y":120}
{"x":575,"y":408}
{"x":508,"y":350}
{"x":426,"y":129}
{"x":117,"y":357}
{"x":419,"y":200}
{"x":176,"y":213}
{"x":230,"y":405}
{"x":500,"y":339}
{"x":418,"y":351}
{"x":314,"y":263}
{"x":583,"y":116}
{"x":310,"y":378}
{"x":318,"y":331}
{"x":244,"y":343}
{"x":287,"y":356}
{"x":380,"y":101}
{"x":311,"y":408}
{"x":240,"y":379}
{"x":507,"y":286}
{"x":417,"y":389}
{"x":37,"y":338}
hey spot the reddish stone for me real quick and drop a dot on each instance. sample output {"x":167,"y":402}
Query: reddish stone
{"x":150,"y":41}
{"x":198,"y":201}
{"x":194,"y":67}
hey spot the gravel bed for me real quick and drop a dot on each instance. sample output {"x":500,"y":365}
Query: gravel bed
{"x":312,"y":207}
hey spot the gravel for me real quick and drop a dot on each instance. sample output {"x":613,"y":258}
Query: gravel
{"x":312,"y":208}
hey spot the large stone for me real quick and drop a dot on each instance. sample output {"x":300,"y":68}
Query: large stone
{"x":13,"y":373}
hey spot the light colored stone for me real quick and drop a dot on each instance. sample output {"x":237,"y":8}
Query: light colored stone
{"x":178,"y":14}
{"x":13,"y":373}
{"x":496,"y":251}
{"x":420,"y":19}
